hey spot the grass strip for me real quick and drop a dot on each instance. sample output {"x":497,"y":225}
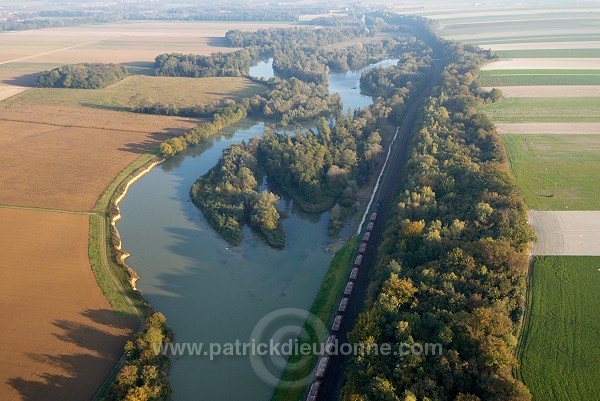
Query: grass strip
{"x":299,"y":367}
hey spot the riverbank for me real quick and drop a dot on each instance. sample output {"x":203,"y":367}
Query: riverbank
{"x":114,"y":277}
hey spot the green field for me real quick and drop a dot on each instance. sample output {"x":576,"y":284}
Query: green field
{"x":549,"y":53}
{"x":559,"y":348}
{"x":183,"y":91}
{"x":516,"y":17}
{"x":541,"y":109}
{"x":497,"y":28}
{"x":539,"y":77}
{"x":556,"y":172}
{"x":323,"y":307}
{"x":572,"y":37}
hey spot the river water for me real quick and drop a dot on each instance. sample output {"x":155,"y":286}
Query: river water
{"x":208,"y":290}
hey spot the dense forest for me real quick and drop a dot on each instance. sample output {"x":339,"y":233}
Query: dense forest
{"x":144,"y":374}
{"x":453,"y":261}
{"x":216,"y":65}
{"x":320,"y":168}
{"x":82,"y":76}
{"x":228,"y":196}
{"x":14,"y":17}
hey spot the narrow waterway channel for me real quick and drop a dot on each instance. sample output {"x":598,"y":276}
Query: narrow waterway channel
{"x":208,"y":290}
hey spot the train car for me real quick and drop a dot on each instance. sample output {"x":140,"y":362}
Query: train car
{"x":358,"y":260}
{"x":367,"y":236}
{"x":373,"y":217}
{"x":343,"y":305}
{"x":370,"y":226}
{"x":322,"y":367}
{"x":349,"y":288}
{"x":330,"y":344}
{"x":363,"y":248}
{"x":314,"y":391}
{"x":354,"y":273}
{"x":337,"y":323}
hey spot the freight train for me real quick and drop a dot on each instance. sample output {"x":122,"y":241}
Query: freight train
{"x":325,"y":358}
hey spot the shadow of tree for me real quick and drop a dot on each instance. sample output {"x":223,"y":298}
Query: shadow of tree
{"x":98,"y":340}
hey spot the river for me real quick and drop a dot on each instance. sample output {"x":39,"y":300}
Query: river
{"x":208,"y":290}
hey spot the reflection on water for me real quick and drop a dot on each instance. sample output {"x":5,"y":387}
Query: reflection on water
{"x":208,"y":290}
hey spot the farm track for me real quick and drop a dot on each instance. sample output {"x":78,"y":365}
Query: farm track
{"x":331,"y":384}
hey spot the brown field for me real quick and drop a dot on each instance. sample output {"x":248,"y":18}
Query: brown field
{"x":60,"y":149}
{"x":60,"y":336}
{"x":24,"y":53}
{"x":549,"y":128}
{"x":64,"y":168}
{"x":549,"y":90}
{"x":7,"y":91}
{"x":544,"y":63}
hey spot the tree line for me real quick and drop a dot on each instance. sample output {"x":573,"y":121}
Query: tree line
{"x":451,"y":269}
{"x":82,"y":76}
{"x":228,"y":116}
{"x":143,"y":377}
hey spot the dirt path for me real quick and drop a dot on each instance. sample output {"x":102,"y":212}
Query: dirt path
{"x":575,"y":233}
{"x":549,"y":128}
{"x":549,"y":90}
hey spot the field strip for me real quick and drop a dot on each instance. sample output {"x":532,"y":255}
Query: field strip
{"x":549,"y":128}
{"x":43,"y":209}
{"x":7,"y":91}
{"x":48,"y":52}
{"x":591,"y":44}
{"x":569,"y":233}
{"x":481,"y":36}
{"x":548,"y":90}
{"x":453,"y":25}
{"x":73,"y":126}
{"x":507,"y":13}
{"x":544,"y":63}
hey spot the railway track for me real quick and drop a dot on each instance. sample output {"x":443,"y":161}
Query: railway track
{"x":333,"y":379}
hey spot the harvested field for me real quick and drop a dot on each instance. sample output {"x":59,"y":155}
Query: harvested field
{"x":572,"y":233}
{"x":549,"y":90}
{"x":130,"y":43}
{"x":556,"y":172}
{"x":539,"y":77}
{"x":549,"y":128}
{"x":542,"y":109}
{"x":7,"y":91}
{"x":64,"y":168}
{"x":559,"y":342}
{"x":90,"y":117}
{"x":60,"y":334}
{"x":540,"y":64}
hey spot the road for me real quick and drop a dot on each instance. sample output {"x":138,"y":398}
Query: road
{"x":388,"y":189}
